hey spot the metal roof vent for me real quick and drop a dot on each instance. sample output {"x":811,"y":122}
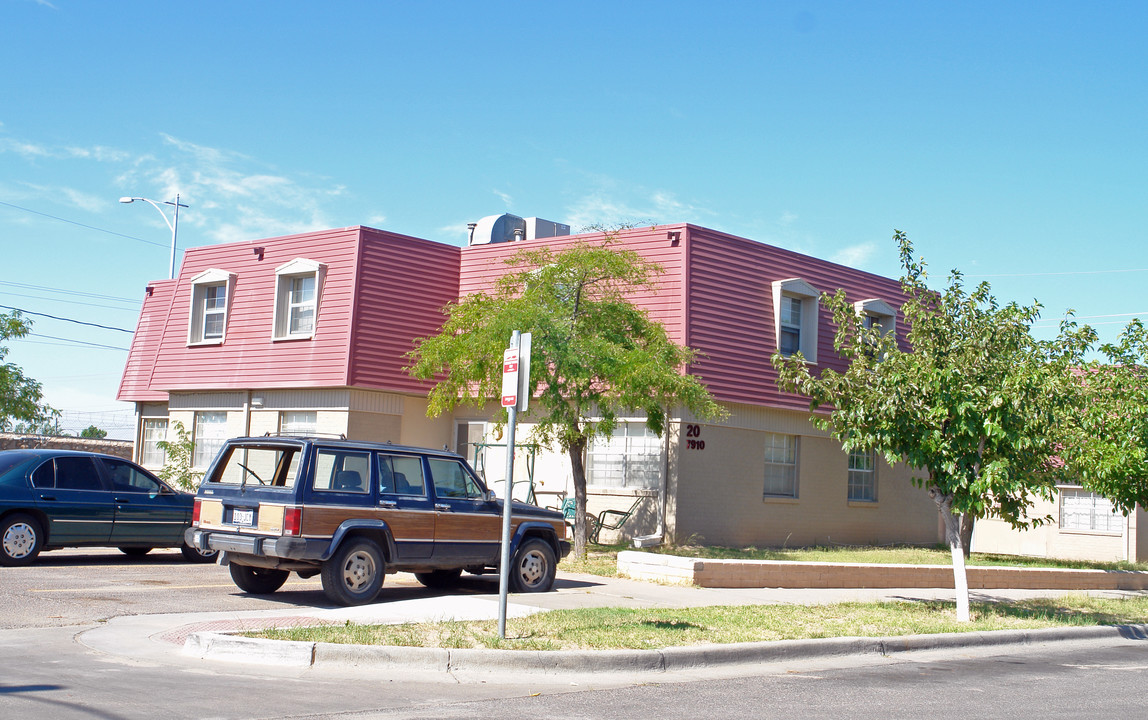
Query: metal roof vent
{"x":508,"y":228}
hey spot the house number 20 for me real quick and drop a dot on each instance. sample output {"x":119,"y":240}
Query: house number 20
{"x":693,"y":432}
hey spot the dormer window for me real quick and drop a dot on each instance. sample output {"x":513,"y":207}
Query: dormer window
{"x":299,"y":286}
{"x":211,"y":293}
{"x":876,"y":313}
{"x":795,"y":304}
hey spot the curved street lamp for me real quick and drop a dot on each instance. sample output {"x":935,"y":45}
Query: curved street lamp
{"x":172,"y":224}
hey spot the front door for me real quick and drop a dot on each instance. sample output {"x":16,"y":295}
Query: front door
{"x":468,"y":527}
{"x":147,"y":513}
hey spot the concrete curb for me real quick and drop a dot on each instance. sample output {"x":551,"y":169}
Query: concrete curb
{"x":219,"y":646}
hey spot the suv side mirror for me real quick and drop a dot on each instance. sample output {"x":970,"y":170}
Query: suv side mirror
{"x":489,"y":496}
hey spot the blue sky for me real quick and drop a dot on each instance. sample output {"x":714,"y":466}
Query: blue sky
{"x":1006,"y":138}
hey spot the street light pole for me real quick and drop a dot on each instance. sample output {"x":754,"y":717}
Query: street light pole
{"x":172,"y":224}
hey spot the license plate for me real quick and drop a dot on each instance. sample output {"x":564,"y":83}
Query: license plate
{"x":243,"y":517}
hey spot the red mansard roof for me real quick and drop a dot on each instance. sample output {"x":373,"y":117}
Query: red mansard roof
{"x":381,"y":290}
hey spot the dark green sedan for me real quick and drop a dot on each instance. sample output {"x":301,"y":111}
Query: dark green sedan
{"x":62,"y":498}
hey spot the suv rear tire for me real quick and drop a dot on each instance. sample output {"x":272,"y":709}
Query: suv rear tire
{"x":354,"y":574}
{"x":256,"y":580}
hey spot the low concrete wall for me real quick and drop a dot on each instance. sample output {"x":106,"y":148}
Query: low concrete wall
{"x":782,"y":574}
{"x":17,"y":441}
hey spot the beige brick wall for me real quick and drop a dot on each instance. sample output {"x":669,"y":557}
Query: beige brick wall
{"x":720,"y":497}
{"x":996,"y":536}
{"x":782,"y":574}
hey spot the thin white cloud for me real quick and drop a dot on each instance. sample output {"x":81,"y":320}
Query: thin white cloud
{"x":229,"y":200}
{"x":609,"y":206}
{"x":855,"y":256}
{"x":505,"y":198}
{"x":26,"y":149}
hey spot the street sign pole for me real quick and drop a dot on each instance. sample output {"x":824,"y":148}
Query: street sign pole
{"x":515,"y":395}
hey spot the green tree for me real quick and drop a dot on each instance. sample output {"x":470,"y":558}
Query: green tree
{"x":20,"y":395}
{"x":177,"y":468}
{"x":974,"y":402}
{"x":92,"y":431}
{"x":1105,"y":441}
{"x":594,"y":354}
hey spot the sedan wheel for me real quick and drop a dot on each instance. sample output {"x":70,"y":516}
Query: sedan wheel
{"x":20,"y":540}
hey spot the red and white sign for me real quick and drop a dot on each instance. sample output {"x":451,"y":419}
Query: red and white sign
{"x":510,"y":377}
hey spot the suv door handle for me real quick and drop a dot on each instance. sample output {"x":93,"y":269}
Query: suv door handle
{"x":443,"y":507}
{"x":388,"y":503}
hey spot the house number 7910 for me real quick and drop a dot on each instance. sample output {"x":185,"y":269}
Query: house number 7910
{"x":693,"y":432}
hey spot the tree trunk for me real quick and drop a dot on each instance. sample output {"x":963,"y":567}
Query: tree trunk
{"x":578,"y":472}
{"x":967,"y":521}
{"x":953,"y":536}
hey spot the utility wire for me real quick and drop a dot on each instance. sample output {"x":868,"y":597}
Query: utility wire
{"x":63,"y":291}
{"x":72,"y":302}
{"x":1069,"y":272}
{"x":78,"y":322}
{"x":89,"y":227}
{"x":78,"y":342}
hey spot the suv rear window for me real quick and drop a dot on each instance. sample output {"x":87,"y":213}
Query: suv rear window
{"x":274,"y":466}
{"x":342,"y":470}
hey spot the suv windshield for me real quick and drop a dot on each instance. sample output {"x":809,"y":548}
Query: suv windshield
{"x":274,"y":466}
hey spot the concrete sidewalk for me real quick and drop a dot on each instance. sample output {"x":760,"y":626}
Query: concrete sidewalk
{"x":191,"y":637}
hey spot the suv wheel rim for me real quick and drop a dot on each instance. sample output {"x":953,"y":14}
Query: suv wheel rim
{"x":532,"y":568}
{"x":19,"y":539}
{"x":358,"y":571}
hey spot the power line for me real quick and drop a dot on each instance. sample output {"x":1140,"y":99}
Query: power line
{"x":72,"y":302}
{"x":63,"y":291}
{"x":78,"y":342}
{"x":78,"y":322}
{"x":89,"y":227}
{"x":1069,"y":272}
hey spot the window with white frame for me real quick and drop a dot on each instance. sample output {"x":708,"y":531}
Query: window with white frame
{"x":630,"y":457}
{"x":862,"y":476}
{"x":298,"y":422}
{"x":780,"y":465}
{"x":876,"y":313}
{"x":1085,"y":511}
{"x":151,"y":454}
{"x":210,"y":296}
{"x":210,"y":435}
{"x":795,"y":304}
{"x":298,"y":289}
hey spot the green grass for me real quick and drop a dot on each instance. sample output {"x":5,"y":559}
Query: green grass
{"x":616,"y":628}
{"x":603,"y":559}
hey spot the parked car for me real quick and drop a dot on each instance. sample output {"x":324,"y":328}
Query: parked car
{"x":352,"y":511}
{"x":61,"y":498}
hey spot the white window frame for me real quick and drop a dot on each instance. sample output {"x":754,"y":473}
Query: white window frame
{"x":1082,"y":511}
{"x":285,"y":305}
{"x":778,"y":465}
{"x":797,"y":289}
{"x":209,"y":436}
{"x":152,"y":431}
{"x":862,"y":476}
{"x":878,"y":311}
{"x":298,"y":422}
{"x":198,"y":313}
{"x":632,"y":457}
